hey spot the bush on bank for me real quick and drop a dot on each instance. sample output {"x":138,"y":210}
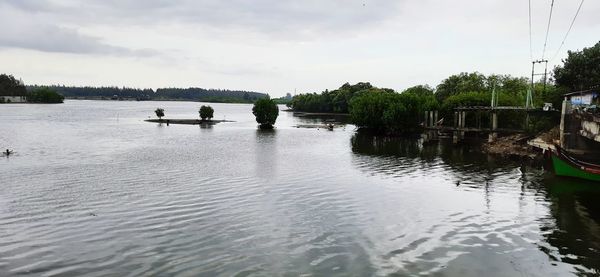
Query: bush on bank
{"x":389,"y":112}
{"x":44,"y":95}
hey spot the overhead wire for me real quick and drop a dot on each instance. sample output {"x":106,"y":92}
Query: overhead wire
{"x":568,"y":31}
{"x":548,"y":28}
{"x":530,"y":38}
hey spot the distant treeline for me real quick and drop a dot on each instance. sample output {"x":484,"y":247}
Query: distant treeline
{"x":191,"y":94}
{"x":10,"y":88}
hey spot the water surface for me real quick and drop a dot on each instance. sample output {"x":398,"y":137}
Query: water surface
{"x":93,"y":190}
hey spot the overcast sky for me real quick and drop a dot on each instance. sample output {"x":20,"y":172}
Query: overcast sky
{"x":276,"y":46}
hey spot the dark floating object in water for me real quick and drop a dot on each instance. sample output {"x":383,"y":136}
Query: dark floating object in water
{"x":329,"y":126}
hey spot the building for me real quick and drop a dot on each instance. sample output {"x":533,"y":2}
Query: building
{"x":583,"y":98}
{"x":581,"y":119}
{"x":13,"y":97}
{"x":12,"y":90}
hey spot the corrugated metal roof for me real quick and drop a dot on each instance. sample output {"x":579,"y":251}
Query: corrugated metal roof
{"x":589,"y":91}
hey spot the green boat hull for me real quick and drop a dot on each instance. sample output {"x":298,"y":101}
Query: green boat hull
{"x":562,"y":168}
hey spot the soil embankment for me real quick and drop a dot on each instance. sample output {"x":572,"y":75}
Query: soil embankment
{"x":518,"y":146}
{"x":186,"y":121}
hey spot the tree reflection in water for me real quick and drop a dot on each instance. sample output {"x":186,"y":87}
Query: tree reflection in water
{"x":571,"y":233}
{"x":575,"y":208}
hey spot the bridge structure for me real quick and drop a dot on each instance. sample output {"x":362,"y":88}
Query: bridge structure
{"x":434,"y":127}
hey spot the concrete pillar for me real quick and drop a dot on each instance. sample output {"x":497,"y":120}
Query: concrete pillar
{"x":565,"y":111}
{"x":435,"y":120}
{"x":431,"y":119}
{"x":456,"y":125}
{"x":425,"y":134}
{"x":493,"y":135}
{"x":463,"y":124}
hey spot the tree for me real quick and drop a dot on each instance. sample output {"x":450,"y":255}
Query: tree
{"x":463,"y":82}
{"x":581,"y":69}
{"x":420,"y":90}
{"x":160,"y":112}
{"x":385,"y":111}
{"x":10,"y":86}
{"x":266,"y":112}
{"x":45,"y":95}
{"x":206,"y":112}
{"x":330,"y":101}
{"x":368,"y":109}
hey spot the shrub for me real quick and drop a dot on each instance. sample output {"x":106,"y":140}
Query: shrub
{"x":389,"y":112}
{"x":160,"y":112}
{"x":266,"y":112}
{"x":45,"y":95}
{"x":206,"y":112}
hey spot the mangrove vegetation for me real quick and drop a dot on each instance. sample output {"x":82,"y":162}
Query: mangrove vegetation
{"x":266,"y":111}
{"x":160,"y":112}
{"x":206,"y":112}
{"x":44,"y":95}
{"x":389,"y":111}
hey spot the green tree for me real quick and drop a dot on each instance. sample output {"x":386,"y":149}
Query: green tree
{"x":266,"y":112}
{"x":420,"y":90}
{"x":330,"y":101}
{"x":160,"y":112}
{"x":581,"y":69}
{"x":385,"y":111}
{"x":45,"y":95}
{"x":463,"y":82}
{"x":506,"y":84}
{"x":367,"y":110}
{"x":206,"y":112}
{"x":10,"y":86}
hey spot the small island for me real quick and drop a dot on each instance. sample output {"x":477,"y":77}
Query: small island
{"x":187,"y":121}
{"x":206,"y":115}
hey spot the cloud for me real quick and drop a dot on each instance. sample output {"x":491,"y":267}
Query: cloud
{"x":272,"y":45}
{"x":304,"y":19}
{"x":56,"y":39}
{"x":29,"y":32}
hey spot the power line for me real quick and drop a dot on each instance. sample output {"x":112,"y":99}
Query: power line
{"x":568,"y":31}
{"x":548,"y":28}
{"x":530,"y":39}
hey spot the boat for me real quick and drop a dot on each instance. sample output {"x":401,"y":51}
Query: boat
{"x":566,"y":165}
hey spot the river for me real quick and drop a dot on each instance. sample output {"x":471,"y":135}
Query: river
{"x":94,"y":190}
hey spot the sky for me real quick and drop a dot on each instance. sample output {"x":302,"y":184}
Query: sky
{"x":281,"y":46}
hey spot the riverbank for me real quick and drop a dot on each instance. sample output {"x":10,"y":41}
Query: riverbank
{"x":514,"y":147}
{"x":521,"y":146}
{"x":187,"y":121}
{"x":301,"y":114}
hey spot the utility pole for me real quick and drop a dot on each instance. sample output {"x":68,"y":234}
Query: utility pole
{"x":529,"y":99}
{"x":494,"y":97}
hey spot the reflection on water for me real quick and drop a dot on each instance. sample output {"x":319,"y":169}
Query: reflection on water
{"x":90,"y":195}
{"x":570,"y":230}
{"x":266,"y":153}
{"x":576,"y":212}
{"x":396,"y":155}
